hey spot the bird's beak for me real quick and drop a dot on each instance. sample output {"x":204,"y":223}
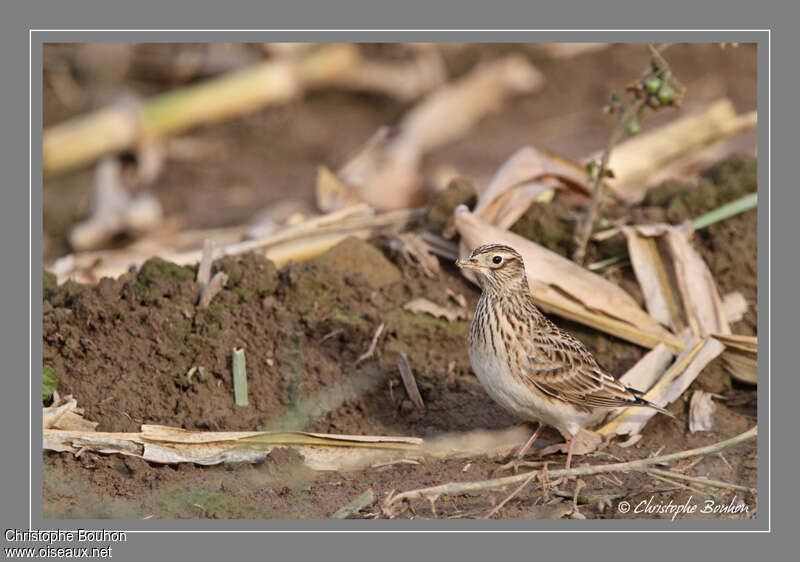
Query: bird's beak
{"x":467,"y":263}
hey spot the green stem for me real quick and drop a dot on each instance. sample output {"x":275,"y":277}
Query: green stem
{"x":239,"y":377}
{"x":727,"y":211}
{"x":585,"y":229}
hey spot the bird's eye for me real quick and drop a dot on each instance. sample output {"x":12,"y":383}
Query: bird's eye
{"x":497,"y":260}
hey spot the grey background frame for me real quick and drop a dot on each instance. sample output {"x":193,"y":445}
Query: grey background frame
{"x":15,"y":280}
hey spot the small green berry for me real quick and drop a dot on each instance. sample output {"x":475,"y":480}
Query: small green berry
{"x":653,"y":84}
{"x":666,"y":94}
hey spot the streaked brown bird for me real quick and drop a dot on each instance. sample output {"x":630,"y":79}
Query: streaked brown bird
{"x":527,"y":364}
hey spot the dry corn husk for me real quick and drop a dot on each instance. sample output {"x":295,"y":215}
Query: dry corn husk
{"x":114,"y":210}
{"x":529,"y":175}
{"x":299,"y":242}
{"x":683,"y":371}
{"x":635,"y":160}
{"x":66,"y":430}
{"x":741,"y":356}
{"x":386,"y":173}
{"x":680,"y":289}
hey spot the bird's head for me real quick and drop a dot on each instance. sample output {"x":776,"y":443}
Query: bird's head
{"x":497,"y":267}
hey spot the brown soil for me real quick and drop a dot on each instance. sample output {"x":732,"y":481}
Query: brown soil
{"x":124,"y":347}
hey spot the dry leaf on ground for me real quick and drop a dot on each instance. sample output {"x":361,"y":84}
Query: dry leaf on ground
{"x":417,"y":253}
{"x":697,"y":301}
{"x":64,"y":413}
{"x":530,"y":174}
{"x":735,"y":305}
{"x":701,"y":301}
{"x":740,"y":356}
{"x":423,"y":305}
{"x":653,"y":275}
{"x":701,"y":411}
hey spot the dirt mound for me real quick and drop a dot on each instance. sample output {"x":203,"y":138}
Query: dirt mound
{"x":139,"y":350}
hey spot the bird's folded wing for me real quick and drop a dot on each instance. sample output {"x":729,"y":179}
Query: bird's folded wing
{"x":563,"y":368}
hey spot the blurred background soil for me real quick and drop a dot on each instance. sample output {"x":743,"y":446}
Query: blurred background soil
{"x":124,"y":347}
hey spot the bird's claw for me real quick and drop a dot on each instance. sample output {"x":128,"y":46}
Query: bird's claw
{"x":515,"y":464}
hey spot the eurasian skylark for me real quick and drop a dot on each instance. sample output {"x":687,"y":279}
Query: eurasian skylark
{"x":527,"y":364}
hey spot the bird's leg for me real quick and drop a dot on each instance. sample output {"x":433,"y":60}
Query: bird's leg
{"x":516,"y":461}
{"x":578,"y":481}
{"x":569,"y":460}
{"x":569,"y":451}
{"x":529,"y":443}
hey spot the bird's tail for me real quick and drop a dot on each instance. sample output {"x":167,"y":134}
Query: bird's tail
{"x":642,"y":402}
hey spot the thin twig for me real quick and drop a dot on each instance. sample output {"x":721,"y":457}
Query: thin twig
{"x":671,"y":481}
{"x":624,"y":116}
{"x":499,"y":506}
{"x":331,"y":334}
{"x":584,"y":500}
{"x":371,"y":351}
{"x":699,"y":480}
{"x":204,"y":269}
{"x":409,"y":381}
{"x":212,"y":288}
{"x":585,"y":229}
{"x":456,"y":488}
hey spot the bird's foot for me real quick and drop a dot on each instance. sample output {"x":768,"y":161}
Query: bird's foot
{"x":514,"y":465}
{"x":546,"y":483}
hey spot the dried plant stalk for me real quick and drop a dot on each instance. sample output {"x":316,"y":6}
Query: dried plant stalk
{"x":651,"y":273}
{"x":702,"y":305}
{"x":409,"y":382}
{"x":298,"y":243}
{"x":117,"y":128}
{"x":386,"y":173}
{"x":740,"y":356}
{"x":459,"y":488}
{"x":636,"y":159}
{"x":404,"y":81}
{"x":212,"y":288}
